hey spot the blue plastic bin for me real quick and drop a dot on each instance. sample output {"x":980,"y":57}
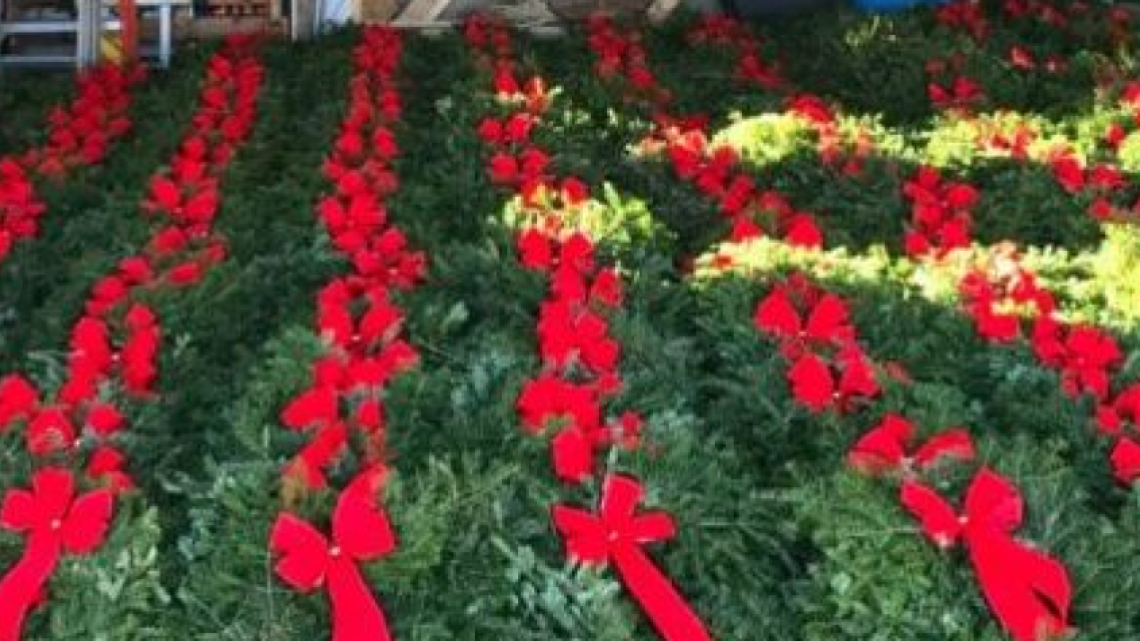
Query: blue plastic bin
{"x":892,"y":5}
{"x":765,"y":8}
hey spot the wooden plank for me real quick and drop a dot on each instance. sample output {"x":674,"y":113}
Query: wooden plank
{"x":367,"y":11}
{"x":422,"y":11}
{"x":660,"y":10}
{"x":217,"y":27}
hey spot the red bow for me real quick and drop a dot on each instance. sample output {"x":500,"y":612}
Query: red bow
{"x":1084,"y":355}
{"x":826,"y":323}
{"x":617,"y":534}
{"x":52,"y":522}
{"x":885,"y":447}
{"x":1027,"y":590}
{"x":568,"y":335}
{"x":361,"y":532}
{"x":940,"y":213}
{"x":819,"y":385}
{"x":18,"y":400}
{"x":1125,"y":459}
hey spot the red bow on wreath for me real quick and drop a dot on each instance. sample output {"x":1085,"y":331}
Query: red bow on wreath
{"x":887,"y":447}
{"x":617,"y":534}
{"x":361,"y":532}
{"x":52,"y":522}
{"x":1027,"y":590}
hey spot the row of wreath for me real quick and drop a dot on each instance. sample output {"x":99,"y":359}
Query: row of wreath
{"x":115,"y":343}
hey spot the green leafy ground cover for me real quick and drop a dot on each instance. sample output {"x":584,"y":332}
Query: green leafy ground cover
{"x":778,"y":538}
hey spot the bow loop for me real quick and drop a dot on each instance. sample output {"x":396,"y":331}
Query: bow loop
{"x":304,"y":550}
{"x":18,"y":513}
{"x":362,"y":531}
{"x":955,"y":444}
{"x":993,"y":502}
{"x":1125,"y":459}
{"x":939,"y":520}
{"x":620,"y":497}
{"x":53,"y":489}
{"x":18,"y":399}
{"x":650,"y":528}
{"x":87,"y":522}
{"x":585,"y":534}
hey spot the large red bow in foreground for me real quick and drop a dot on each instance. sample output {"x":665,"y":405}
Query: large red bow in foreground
{"x":361,"y":532}
{"x":617,"y":534}
{"x":1027,"y":590}
{"x":52,"y":523}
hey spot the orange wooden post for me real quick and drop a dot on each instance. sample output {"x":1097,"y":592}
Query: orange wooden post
{"x":129,"y":17}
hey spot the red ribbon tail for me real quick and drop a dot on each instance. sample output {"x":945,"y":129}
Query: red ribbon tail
{"x":1028,"y":591}
{"x":665,"y":607}
{"x":355,"y":613}
{"x":22,"y":586}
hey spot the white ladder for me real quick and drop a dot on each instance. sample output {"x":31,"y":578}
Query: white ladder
{"x":24,"y":25}
{"x":92,"y":18}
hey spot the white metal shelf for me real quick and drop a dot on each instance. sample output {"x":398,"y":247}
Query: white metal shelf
{"x":93,"y":17}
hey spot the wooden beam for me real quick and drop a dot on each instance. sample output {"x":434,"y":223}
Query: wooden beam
{"x":422,"y":11}
{"x":660,"y":10}
{"x":370,"y":11}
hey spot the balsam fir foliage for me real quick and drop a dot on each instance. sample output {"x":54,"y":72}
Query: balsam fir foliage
{"x":777,"y":538}
{"x":24,"y":103}
{"x":91,"y":221}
